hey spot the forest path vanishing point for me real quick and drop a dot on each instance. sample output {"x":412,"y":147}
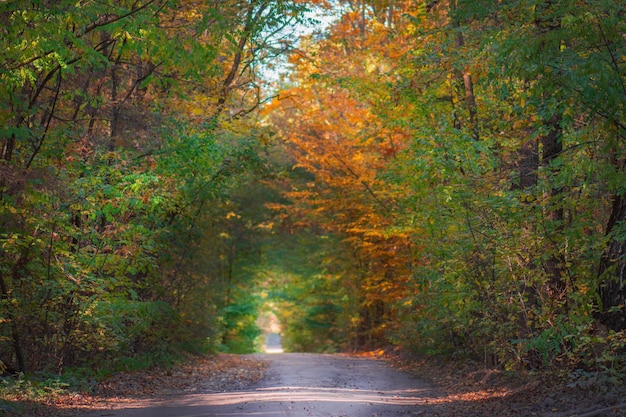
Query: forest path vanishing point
{"x":299,"y":385}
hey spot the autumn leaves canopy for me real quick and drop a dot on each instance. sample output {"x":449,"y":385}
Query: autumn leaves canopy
{"x":445,"y":176}
{"x":471,"y":156}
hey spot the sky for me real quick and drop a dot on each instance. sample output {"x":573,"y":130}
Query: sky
{"x":322,"y":20}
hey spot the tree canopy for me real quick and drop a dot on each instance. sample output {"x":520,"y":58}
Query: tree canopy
{"x":471,"y":156}
{"x":128,"y":136}
{"x":443,"y":176}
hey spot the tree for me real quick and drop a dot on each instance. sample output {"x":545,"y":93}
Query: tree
{"x":327,"y":121}
{"x":481,"y":143}
{"x":126,"y":126}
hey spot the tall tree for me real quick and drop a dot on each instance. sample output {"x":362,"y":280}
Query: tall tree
{"x":484,"y":141}
{"x":125,"y":128}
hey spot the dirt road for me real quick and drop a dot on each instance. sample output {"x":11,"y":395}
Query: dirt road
{"x":299,"y":385}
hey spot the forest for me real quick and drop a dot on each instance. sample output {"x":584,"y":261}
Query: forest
{"x":446,"y":177}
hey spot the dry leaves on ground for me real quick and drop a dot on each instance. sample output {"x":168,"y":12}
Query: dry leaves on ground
{"x":476,"y":391}
{"x":197,"y":374}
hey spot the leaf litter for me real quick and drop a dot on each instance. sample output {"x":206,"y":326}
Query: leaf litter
{"x":197,"y":375}
{"x":474,"y":390}
{"x":194,"y":375}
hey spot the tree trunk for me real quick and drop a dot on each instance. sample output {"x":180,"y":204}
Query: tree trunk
{"x":527,"y":166}
{"x":465,"y":77}
{"x":548,"y":21}
{"x":552,"y":146}
{"x":15,"y":334}
{"x":612,"y":271}
{"x":528,"y":163}
{"x":7,"y":148}
{"x":471,"y":104}
{"x":252,"y":17}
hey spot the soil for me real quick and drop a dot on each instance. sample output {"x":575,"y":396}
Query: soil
{"x":373,"y":385}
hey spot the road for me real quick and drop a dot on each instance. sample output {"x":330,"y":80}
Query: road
{"x":303,"y":385}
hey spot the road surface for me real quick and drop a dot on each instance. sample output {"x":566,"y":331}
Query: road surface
{"x":303,"y":385}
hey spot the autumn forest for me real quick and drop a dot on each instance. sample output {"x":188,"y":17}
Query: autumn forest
{"x":445,"y":177}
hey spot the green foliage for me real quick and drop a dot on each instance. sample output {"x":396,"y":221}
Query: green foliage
{"x":307,"y":280}
{"x":465,"y":183}
{"x":133,"y":326}
{"x":240,"y":329}
{"x":31,"y":388}
{"x":127,"y":138}
{"x":503,"y":169}
{"x":551,"y":345}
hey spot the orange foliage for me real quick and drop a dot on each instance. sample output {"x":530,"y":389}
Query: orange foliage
{"x":330,"y":121}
